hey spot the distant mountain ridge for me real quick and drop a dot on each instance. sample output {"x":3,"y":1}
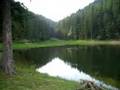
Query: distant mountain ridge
{"x":27,"y":25}
{"x":99,"y":20}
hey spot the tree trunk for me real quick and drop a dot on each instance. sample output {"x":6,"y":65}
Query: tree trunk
{"x":7,"y":59}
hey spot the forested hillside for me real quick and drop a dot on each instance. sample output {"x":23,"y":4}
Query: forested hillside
{"x":99,"y":20}
{"x":27,"y":25}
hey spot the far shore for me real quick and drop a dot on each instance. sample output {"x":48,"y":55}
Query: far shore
{"x":56,"y":43}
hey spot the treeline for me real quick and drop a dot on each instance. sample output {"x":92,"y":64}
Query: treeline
{"x":27,"y":25}
{"x":99,"y":20}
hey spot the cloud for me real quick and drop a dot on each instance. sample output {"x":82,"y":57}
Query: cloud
{"x":55,"y":9}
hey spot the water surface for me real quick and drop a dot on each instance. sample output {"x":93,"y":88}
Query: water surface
{"x":101,"y":63}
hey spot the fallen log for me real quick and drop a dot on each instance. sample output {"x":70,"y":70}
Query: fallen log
{"x":89,"y":85}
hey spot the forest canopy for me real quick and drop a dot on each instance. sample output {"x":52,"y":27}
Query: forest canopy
{"x":100,"y":20}
{"x":27,"y":25}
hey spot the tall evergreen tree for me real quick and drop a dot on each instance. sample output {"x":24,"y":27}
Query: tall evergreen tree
{"x":7,"y":58}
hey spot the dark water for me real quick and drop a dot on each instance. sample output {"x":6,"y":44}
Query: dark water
{"x":100,"y":62}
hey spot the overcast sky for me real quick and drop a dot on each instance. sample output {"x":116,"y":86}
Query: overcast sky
{"x":55,"y":9}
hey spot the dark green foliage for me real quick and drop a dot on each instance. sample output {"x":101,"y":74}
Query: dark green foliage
{"x":99,"y":20}
{"x":0,"y":21}
{"x":27,"y":25}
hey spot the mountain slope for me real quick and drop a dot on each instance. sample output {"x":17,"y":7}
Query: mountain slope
{"x":99,"y":20}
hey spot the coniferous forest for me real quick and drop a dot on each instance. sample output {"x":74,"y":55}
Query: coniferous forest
{"x":79,"y":52}
{"x":100,"y":20}
{"x":29,"y":26}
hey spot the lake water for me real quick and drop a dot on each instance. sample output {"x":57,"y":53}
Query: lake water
{"x":100,"y":64}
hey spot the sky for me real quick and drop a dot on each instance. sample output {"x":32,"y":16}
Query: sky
{"x":55,"y":9}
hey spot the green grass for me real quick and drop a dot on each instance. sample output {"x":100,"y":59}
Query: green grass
{"x":27,"y":78}
{"x":55,"y":43}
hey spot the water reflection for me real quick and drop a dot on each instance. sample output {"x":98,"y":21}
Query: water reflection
{"x":101,"y":62}
{"x":59,"y":68}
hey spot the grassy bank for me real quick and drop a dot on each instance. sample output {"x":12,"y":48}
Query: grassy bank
{"x":53,"y":43}
{"x":27,"y":78}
